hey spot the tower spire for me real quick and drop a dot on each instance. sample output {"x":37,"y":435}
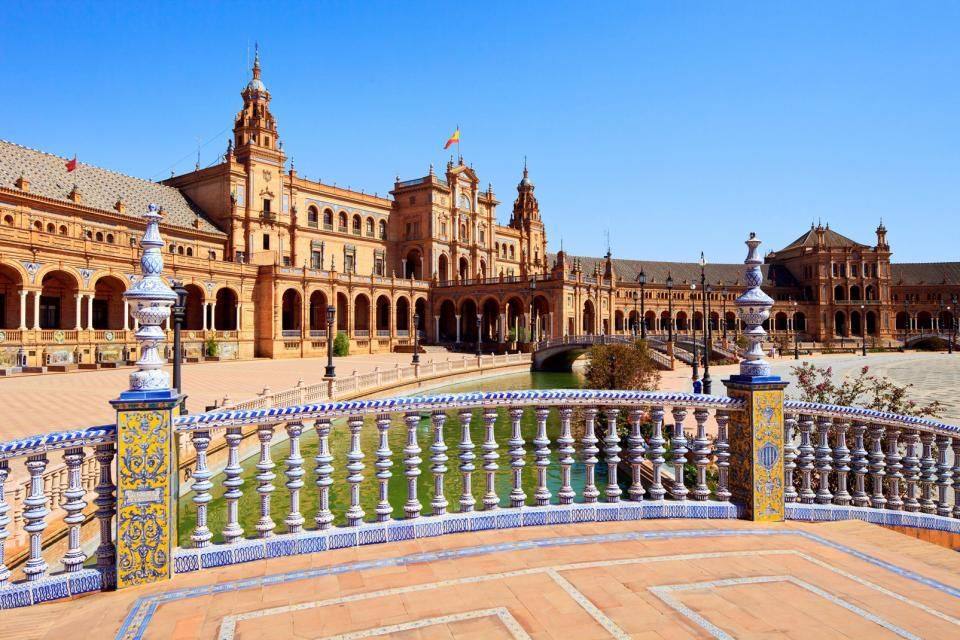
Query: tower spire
{"x":256,"y":60}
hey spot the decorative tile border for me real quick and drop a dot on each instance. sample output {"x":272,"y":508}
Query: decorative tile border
{"x":502,"y":613}
{"x":63,"y":585}
{"x":833,"y":513}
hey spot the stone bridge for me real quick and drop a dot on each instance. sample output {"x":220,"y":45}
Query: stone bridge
{"x":559,"y":354}
{"x":913,"y":340}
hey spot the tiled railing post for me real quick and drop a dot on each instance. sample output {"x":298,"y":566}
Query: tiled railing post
{"x":757,"y":433}
{"x":4,"y":521}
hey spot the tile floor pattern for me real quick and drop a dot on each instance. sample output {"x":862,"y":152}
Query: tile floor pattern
{"x":647,"y":579}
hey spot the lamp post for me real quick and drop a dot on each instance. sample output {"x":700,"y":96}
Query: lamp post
{"x":695,"y":373}
{"x":331,"y":371}
{"x":863,"y":330}
{"x":642,"y":279}
{"x":796,"y":343}
{"x":723,"y":311}
{"x":953,"y":325}
{"x":704,"y":292}
{"x":416,"y":339}
{"x":479,"y":324}
{"x":633,"y":325}
{"x":179,"y":316}
{"x":906,"y":320}
{"x":670,"y":307}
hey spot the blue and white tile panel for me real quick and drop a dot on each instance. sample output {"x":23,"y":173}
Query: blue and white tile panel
{"x":63,"y":585}
{"x":187,"y":560}
{"x":832,"y":513}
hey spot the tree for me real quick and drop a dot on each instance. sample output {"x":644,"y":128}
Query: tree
{"x":341,"y":345}
{"x":864,"y":389}
{"x":622,"y":366}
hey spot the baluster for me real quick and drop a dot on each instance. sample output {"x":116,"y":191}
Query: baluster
{"x":806,"y":459}
{"x":894,"y":468}
{"x":701,"y":452}
{"x":294,"y":473}
{"x":467,"y":456}
{"x":517,"y":496}
{"x":945,"y":475}
{"x":439,"y":464}
{"x":541,"y":442}
{"x":566,"y":451}
{"x":656,"y":453}
{"x":789,"y":457}
{"x":928,"y":473}
{"x":490,"y":457}
{"x":265,"y":476}
{"x":722,"y":448}
{"x":679,"y":457}
{"x":956,"y":477}
{"x":324,"y":470}
{"x":858,"y":465}
{"x":355,"y":468}
{"x":823,"y":460}
{"x":4,"y":522}
{"x":911,"y":470}
{"x":611,"y":453}
{"x":411,"y":460}
{"x":201,"y":534}
{"x":233,"y":473}
{"x":383,"y":465}
{"x":74,"y":506}
{"x":877,"y":466}
{"x":35,"y":514}
{"x":590,"y":452}
{"x":841,"y":459}
{"x":635,"y":451}
{"x":106,"y":503}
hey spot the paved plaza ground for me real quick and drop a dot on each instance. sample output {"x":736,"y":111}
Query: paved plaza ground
{"x":649,"y":579}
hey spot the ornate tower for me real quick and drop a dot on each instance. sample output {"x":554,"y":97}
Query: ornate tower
{"x":526,"y":218}
{"x":255,"y":127}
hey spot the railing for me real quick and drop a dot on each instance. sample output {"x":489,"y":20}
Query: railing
{"x":361,"y":333}
{"x":318,"y":333}
{"x":290,"y":333}
{"x":383,"y":333}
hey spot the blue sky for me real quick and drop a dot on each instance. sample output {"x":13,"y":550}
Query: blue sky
{"x":679,"y":126}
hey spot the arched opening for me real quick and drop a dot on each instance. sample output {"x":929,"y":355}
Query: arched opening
{"x":901,"y":321}
{"x":870,"y":293}
{"x":357,"y":222}
{"x":464,"y":270}
{"x":730,"y":319}
{"x":515,"y":327}
{"x":193,"y":311}
{"x":443,"y":268}
{"x":448,"y":321}
{"x":313,"y":216}
{"x":871,"y":323}
{"x":108,"y":303}
{"x":541,"y":318}
{"x":369,"y":227}
{"x":650,"y":320}
{"x":855,"y":292}
{"x":925,"y":321}
{"x":840,"y":324}
{"x":468,"y":320}
{"x":318,"y":312}
{"x":342,"y":222}
{"x":413,"y":265}
{"x":361,"y":315}
{"x":343,"y":311}
{"x":799,"y":321}
{"x":633,"y":320}
{"x":483,"y":269}
{"x":491,"y":314}
{"x":698,"y":321}
{"x":838,"y":293}
{"x":225,"y":313}
{"x":682,"y":324}
{"x":714,"y":322}
{"x":403,"y":315}
{"x":383,"y":230}
{"x":328,"y":219}
{"x":664,"y":321}
{"x":290,"y":312}
{"x":780,"y":321}
{"x":420,"y":309}
{"x":10,"y":285}
{"x":383,"y":316}
{"x":856,"y":324}
{"x":589,"y":318}
{"x":618,"y":321}
{"x":946,"y":321}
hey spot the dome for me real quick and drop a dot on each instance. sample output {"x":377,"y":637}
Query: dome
{"x":526,"y":182}
{"x":256,"y":85}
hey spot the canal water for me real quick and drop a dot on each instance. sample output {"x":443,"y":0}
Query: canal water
{"x":249,"y":505}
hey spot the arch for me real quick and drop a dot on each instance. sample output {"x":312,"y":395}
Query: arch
{"x":225,"y":312}
{"x":343,"y":311}
{"x":98,"y":236}
{"x":443,"y":268}
{"x":840,"y":323}
{"x":420,"y":310}
{"x":313,"y":216}
{"x":318,"y":311}
{"x":665,"y":320}
{"x":925,"y":321}
{"x":870,"y":293}
{"x":11,"y":282}
{"x":291,"y":310}
{"x":901,"y":321}
{"x":714,"y":321}
{"x":839,"y":294}
{"x":513,"y":253}
{"x":540,"y":322}
{"x":780,"y":321}
{"x":357,"y":224}
{"x":618,"y":321}
{"x":650,"y":320}
{"x":697,"y":321}
{"x":463,"y":269}
{"x":856,"y":323}
{"x":799,"y":321}
{"x":855,"y":292}
{"x":633,"y":322}
{"x":8,"y":220}
{"x":448,"y":321}
{"x":63,"y":229}
{"x":189,"y":249}
{"x":383,"y":314}
{"x":413,"y":265}
{"x":38,"y":225}
{"x":871,"y":323}
{"x":58,"y":300}
{"x":369,"y":227}
{"x":468,"y":320}
{"x":681,"y":321}
{"x":382,"y":229}
{"x":108,"y":302}
{"x":402,"y":314}
{"x":515,"y":325}
{"x":328,"y":218}
{"x":361,"y":313}
{"x":490,"y":311}
{"x":180,"y":250}
{"x":342,"y":222}
{"x":193,"y":311}
{"x":589,"y":318}
{"x":730,"y":319}
{"x":51,"y":228}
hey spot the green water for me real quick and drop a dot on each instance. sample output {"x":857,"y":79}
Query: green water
{"x":397,"y":487}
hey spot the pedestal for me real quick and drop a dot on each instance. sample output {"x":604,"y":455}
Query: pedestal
{"x":756,"y":447}
{"x":146,"y":532}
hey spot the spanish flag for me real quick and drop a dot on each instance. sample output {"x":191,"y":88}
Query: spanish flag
{"x":454,"y":139}
{"x":71,"y":164}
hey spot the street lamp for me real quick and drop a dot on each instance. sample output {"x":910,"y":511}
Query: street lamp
{"x":179,"y":316}
{"x":416,"y":339}
{"x":723,"y":310}
{"x":331,"y":313}
{"x":796,"y":345}
{"x":863,"y":330}
{"x":953,"y":324}
{"x":633,"y":325}
{"x":705,"y":291}
{"x":906,"y":320}
{"x":670,"y":307}
{"x":642,"y":279}
{"x":695,"y":373}
{"x":479,"y":324}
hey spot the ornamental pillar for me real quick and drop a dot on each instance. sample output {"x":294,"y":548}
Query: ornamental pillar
{"x":23,"y":310}
{"x":146,"y":529}
{"x":756,"y":434}
{"x":458,"y":326}
{"x":78,"y":306}
{"x":36,"y":311}
{"x":90,"y":311}
{"x":213,"y":316}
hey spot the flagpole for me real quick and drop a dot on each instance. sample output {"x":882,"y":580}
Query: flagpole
{"x":459,"y":153}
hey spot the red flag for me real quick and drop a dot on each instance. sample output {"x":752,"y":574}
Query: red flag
{"x":72,"y":164}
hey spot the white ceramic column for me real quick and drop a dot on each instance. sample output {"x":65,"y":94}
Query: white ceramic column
{"x":78,"y":298}
{"x":213,"y":316}
{"x":89,"y":311}
{"x":205,"y":305}
{"x":23,"y":310}
{"x":239,"y":315}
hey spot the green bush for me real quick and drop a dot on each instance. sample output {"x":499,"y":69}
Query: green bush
{"x":211,"y":347}
{"x":341,"y":345}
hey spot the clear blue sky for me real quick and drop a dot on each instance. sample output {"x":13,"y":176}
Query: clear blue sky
{"x":680,"y":126}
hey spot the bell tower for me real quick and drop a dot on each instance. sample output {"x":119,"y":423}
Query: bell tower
{"x":254,"y":128}
{"x":526,"y":219}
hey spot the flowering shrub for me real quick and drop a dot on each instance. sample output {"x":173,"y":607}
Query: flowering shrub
{"x":863,"y":390}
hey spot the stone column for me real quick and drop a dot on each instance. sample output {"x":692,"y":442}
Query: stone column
{"x":205,"y":306}
{"x":240,"y":314}
{"x":756,"y":434}
{"x":23,"y":310}
{"x":213,"y":316}
{"x":436,"y":328}
{"x":457,"y":316}
{"x":36,"y":311}
{"x":78,"y":306}
{"x":146,"y":502}
{"x":89,"y":311}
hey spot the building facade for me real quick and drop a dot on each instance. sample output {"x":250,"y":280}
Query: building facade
{"x":263,"y":252}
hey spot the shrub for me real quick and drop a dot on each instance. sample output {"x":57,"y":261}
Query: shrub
{"x":341,"y":345}
{"x":622,"y":366}
{"x":211,"y":347}
{"x":865,"y":389}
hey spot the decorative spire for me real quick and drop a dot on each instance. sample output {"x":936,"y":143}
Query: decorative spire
{"x":151,"y":299}
{"x":753,"y":307}
{"x":256,"y":60}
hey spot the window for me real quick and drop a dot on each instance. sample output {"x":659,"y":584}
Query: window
{"x":50,"y":228}
{"x":349,"y":259}
{"x":483,"y":235}
{"x":316,"y":260}
{"x":109,"y":237}
{"x":356,"y":225}
{"x":266,"y":242}
{"x":328,"y":219}
{"x":383,"y":229}
{"x":173,"y":249}
{"x":99,"y":236}
{"x":379,"y":263}
{"x":266,"y":206}
{"x":343,"y":222}
{"x":286,"y":261}
{"x":443,"y":229}
{"x":189,"y":251}
{"x":313,"y":217}
{"x":180,"y":251}
{"x":63,"y":229}
{"x":512,"y":253}
{"x":8,"y":220}
{"x":369,"y":227}
{"x":38,"y":225}
{"x":212,"y":255}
